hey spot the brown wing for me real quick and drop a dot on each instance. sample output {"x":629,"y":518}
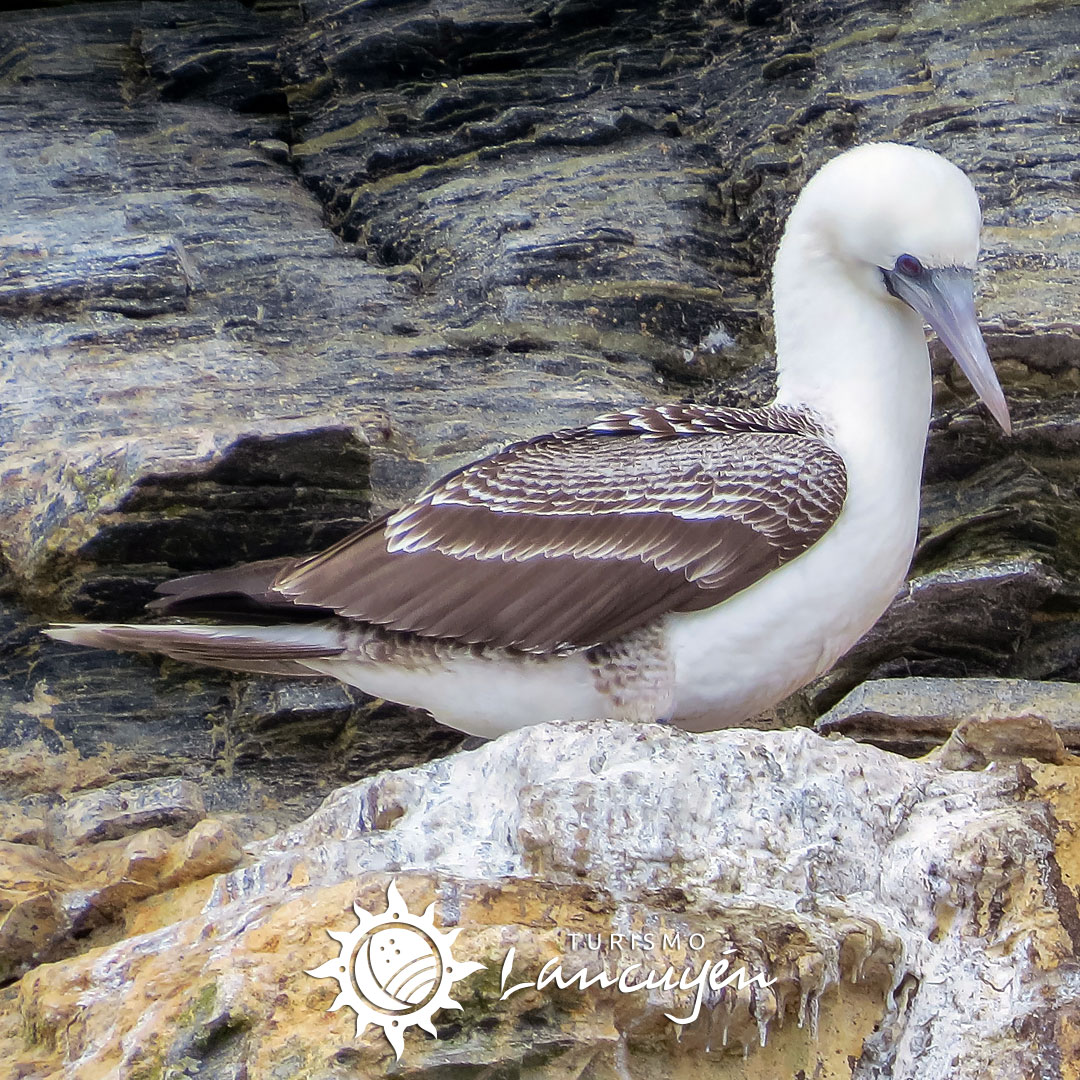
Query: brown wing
{"x":573,"y":539}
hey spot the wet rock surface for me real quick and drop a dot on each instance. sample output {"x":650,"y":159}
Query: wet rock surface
{"x":266,"y":269}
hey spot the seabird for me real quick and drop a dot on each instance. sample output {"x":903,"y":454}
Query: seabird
{"x":687,"y":563}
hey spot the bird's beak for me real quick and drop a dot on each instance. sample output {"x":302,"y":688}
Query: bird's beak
{"x":945,"y":298}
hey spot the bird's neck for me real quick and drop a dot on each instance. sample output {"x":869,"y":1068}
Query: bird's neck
{"x":858,"y":360}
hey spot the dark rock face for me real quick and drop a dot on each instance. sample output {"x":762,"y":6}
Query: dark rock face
{"x":914,"y":716}
{"x":266,"y":269}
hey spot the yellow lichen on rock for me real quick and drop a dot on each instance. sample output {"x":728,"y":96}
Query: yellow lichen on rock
{"x":199,"y":976}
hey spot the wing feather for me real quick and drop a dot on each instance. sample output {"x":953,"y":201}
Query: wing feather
{"x":575,"y":538}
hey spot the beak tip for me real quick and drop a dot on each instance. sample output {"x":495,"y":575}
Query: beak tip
{"x":999,"y":409}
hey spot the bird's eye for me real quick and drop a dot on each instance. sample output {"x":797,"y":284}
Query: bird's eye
{"x":909,"y":266}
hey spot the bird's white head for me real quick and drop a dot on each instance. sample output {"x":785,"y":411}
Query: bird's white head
{"x":877,"y":202}
{"x":898,"y":227}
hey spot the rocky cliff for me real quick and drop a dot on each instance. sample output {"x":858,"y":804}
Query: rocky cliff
{"x":266,"y":268}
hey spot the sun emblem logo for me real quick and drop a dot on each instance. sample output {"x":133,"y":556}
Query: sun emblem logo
{"x":395,"y":969}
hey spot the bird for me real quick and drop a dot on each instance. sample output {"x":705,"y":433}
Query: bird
{"x":683,"y":563}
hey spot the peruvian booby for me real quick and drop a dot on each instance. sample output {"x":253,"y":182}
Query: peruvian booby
{"x":677,"y":562}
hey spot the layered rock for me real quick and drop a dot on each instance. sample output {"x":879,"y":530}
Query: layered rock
{"x":267,"y":269}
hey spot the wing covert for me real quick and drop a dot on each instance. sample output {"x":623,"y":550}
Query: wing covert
{"x":573,"y":539}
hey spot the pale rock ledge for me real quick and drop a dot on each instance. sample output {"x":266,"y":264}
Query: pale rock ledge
{"x":919,"y":920}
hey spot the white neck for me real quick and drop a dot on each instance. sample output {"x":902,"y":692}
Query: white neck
{"x":858,"y":359}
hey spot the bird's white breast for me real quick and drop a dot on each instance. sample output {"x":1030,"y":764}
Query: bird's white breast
{"x":734,"y":660}
{"x":746,"y":654}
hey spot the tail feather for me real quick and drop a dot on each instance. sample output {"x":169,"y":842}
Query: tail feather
{"x":277,"y":650}
{"x":243,"y":593}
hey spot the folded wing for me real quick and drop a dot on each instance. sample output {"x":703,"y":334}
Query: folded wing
{"x":575,"y":538}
